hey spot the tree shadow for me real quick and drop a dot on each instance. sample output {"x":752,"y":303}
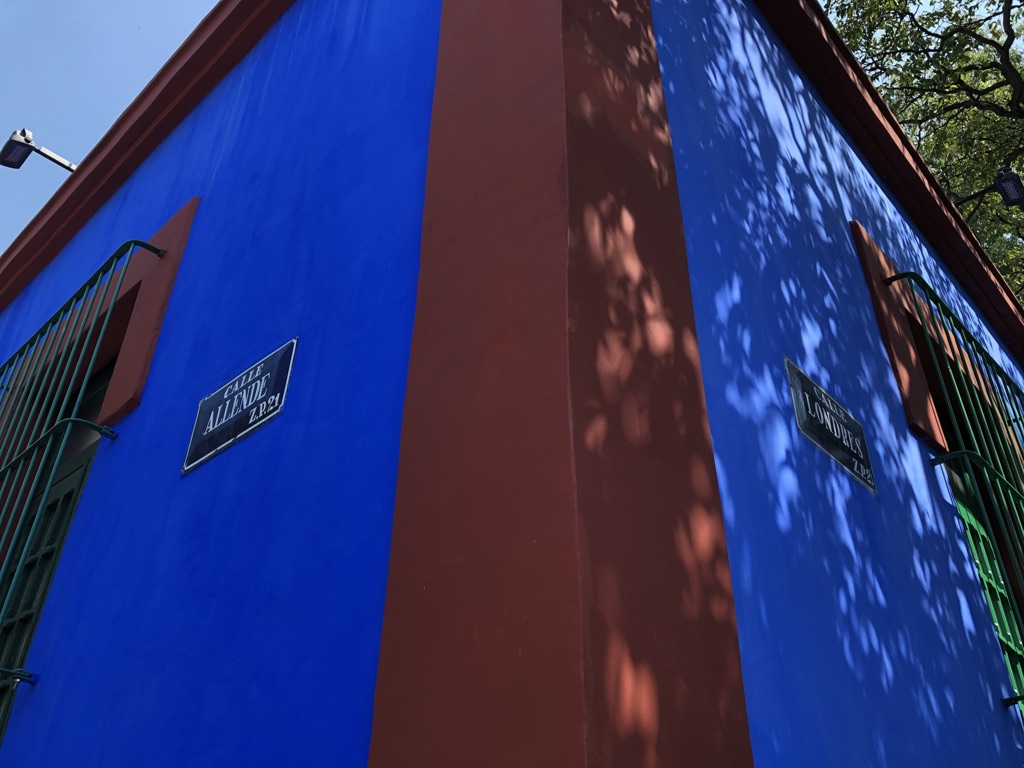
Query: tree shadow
{"x":662,"y":673}
{"x":864,"y":635}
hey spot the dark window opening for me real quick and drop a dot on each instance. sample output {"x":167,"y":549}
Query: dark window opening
{"x":973,"y":423}
{"x":43,"y":551}
{"x":80,"y":373}
{"x":961,"y":401}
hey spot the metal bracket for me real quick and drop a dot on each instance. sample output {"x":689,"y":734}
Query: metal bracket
{"x":21,"y":675}
{"x":1009,"y":701}
{"x":104,"y":431}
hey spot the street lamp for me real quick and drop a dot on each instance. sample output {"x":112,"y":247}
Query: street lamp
{"x":20,"y":146}
{"x":1007,"y":184}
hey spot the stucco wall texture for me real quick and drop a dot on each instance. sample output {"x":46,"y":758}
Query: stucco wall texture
{"x":537,"y":496}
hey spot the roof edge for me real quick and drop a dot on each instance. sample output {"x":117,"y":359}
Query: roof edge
{"x":216,"y":46}
{"x":845,"y":88}
{"x":233,"y":27}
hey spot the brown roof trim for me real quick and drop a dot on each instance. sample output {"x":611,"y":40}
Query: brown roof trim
{"x":220,"y":41}
{"x":235,"y":26}
{"x":842,"y":84}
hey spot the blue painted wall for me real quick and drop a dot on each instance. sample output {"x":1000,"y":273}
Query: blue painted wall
{"x":865,"y":638}
{"x":232,"y":616}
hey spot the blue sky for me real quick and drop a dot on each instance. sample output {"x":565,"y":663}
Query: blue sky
{"x":70,"y":68}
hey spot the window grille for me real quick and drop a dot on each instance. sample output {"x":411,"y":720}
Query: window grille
{"x":982,"y":413}
{"x":42,"y":389}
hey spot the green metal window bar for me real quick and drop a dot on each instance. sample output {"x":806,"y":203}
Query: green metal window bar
{"x":42,"y":387}
{"x":982,"y":414}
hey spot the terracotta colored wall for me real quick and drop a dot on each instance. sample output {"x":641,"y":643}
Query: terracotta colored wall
{"x":664,"y":684}
{"x":559,"y":591}
{"x":893,"y":303}
{"x":481,"y":654}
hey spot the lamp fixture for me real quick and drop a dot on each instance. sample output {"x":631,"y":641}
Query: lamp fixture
{"x":1009,"y":186}
{"x":17,"y":149}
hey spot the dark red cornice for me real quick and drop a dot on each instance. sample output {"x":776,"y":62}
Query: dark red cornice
{"x":842,"y":84}
{"x":223,"y":38}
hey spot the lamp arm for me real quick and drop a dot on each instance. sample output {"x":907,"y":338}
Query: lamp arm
{"x":64,"y":163}
{"x":976,"y":195}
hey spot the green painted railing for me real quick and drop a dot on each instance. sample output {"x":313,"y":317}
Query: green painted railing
{"x":42,"y":387}
{"x":981,"y":410}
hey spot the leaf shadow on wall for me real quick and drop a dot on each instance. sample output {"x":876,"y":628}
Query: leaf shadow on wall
{"x":662,"y":676}
{"x":863,"y":630}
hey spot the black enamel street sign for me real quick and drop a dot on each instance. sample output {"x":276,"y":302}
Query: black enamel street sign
{"x":830,"y":426}
{"x":248,"y":401}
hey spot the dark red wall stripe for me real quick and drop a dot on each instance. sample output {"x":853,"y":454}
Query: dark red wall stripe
{"x":664,"y":683}
{"x":559,"y":589}
{"x":152,"y":280}
{"x":481,"y":657}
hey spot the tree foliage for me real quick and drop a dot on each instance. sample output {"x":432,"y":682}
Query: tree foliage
{"x":951,"y":71}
